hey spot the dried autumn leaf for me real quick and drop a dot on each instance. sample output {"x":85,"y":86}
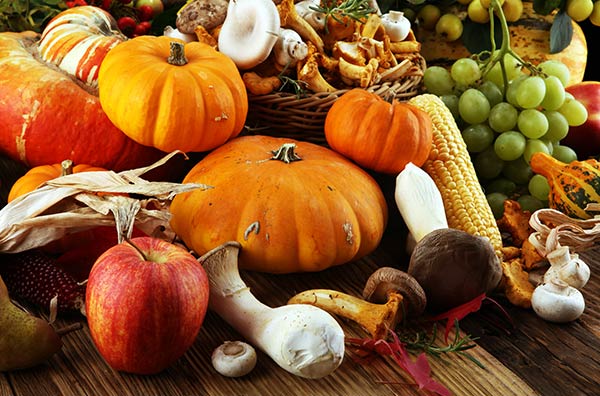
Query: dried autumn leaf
{"x":80,"y":201}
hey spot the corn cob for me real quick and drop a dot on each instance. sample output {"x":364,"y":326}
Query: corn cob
{"x":450,"y":167}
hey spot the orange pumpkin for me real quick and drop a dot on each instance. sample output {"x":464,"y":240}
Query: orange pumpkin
{"x":47,"y":116}
{"x":173,"y":96}
{"x":378,"y":135}
{"x":78,"y":39}
{"x":294,"y":206}
{"x":38,"y":175}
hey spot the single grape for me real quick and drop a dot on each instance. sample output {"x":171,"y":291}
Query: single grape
{"x":428,"y":16}
{"x":477,"y":12}
{"x":496,"y":202}
{"x":449,"y":27}
{"x":503,"y":117}
{"x":513,"y":88}
{"x":437,"y":80}
{"x":579,"y":10}
{"x":558,"y":127}
{"x":530,"y":92}
{"x":473,"y":106}
{"x":532,"y":123}
{"x":534,"y":146}
{"x":492,"y":92}
{"x":487,"y":164}
{"x":530,"y":204}
{"x":501,"y":185}
{"x":555,"y":93}
{"x":553,"y":67}
{"x":518,"y":171}
{"x":549,"y":144}
{"x":564,"y":153}
{"x":478,"y":137}
{"x":574,"y":111}
{"x":510,"y":145}
{"x":512,"y":9}
{"x":538,"y":187}
{"x":451,"y":102}
{"x":465,"y":72}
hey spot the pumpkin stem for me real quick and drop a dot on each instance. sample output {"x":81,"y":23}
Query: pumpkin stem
{"x":286,"y":153}
{"x":66,"y":167}
{"x":177,"y":55}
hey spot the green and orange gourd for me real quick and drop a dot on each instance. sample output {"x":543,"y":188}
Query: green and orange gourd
{"x":572,"y":186}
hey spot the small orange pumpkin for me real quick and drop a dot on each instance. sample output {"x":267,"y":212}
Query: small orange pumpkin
{"x":38,"y":175}
{"x":293,"y":206}
{"x":377,"y":134}
{"x":173,"y":96}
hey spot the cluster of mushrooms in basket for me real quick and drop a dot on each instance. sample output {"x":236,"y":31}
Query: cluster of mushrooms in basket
{"x":320,"y":49}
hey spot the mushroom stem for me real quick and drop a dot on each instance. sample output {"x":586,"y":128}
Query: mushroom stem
{"x":377,"y":319}
{"x":302,"y":339}
{"x":177,"y":54}
{"x":290,"y":18}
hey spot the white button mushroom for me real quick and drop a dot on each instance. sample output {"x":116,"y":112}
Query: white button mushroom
{"x":396,"y":25}
{"x":234,"y":358}
{"x":556,"y":301}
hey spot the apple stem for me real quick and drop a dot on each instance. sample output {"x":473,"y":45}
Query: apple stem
{"x":136,"y":248}
{"x":67,"y":329}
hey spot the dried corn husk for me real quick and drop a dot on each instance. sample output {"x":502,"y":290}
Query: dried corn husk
{"x":80,"y":201}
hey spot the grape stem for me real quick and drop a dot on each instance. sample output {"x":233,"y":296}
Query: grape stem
{"x":498,"y":56}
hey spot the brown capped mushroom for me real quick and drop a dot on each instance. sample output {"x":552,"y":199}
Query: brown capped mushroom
{"x":389,"y":294}
{"x":206,"y":13}
{"x":453,"y":267}
{"x":387,"y":280}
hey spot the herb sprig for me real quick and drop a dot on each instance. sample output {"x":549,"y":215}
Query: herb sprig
{"x":357,"y":10}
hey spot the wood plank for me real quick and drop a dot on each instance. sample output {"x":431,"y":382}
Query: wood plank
{"x":79,"y":369}
{"x":545,"y":354}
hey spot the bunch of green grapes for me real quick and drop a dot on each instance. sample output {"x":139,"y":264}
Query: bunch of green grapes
{"x":504,"y":124}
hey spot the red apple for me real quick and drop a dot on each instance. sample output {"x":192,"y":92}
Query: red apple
{"x":585,"y":139}
{"x":145,"y":307}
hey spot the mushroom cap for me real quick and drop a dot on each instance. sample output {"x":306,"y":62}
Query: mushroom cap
{"x":234,"y":358}
{"x":453,"y":267}
{"x":387,"y":279}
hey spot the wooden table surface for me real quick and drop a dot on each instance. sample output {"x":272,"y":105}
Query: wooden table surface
{"x":532,"y":357}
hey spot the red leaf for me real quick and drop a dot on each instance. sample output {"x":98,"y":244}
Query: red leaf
{"x":419,"y":370}
{"x":459,"y":312}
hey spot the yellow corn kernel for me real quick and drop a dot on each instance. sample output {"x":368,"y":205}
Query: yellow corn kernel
{"x":450,"y":167}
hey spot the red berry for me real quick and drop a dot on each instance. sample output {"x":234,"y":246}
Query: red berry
{"x":142,"y":28}
{"x":145,"y":12}
{"x":127,"y":25}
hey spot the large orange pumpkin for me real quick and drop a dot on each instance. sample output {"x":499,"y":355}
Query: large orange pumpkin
{"x":38,"y":175}
{"x":46,"y":116}
{"x":294,"y":206}
{"x":78,"y":39}
{"x":377,"y":134}
{"x":173,"y":96}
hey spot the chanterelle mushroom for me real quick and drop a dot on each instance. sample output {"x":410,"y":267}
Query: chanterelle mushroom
{"x":389,"y":294}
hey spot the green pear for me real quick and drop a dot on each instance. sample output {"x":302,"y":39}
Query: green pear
{"x":25,"y":340}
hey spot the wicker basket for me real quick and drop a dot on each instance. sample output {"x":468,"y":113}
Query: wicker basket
{"x":303,"y":118}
